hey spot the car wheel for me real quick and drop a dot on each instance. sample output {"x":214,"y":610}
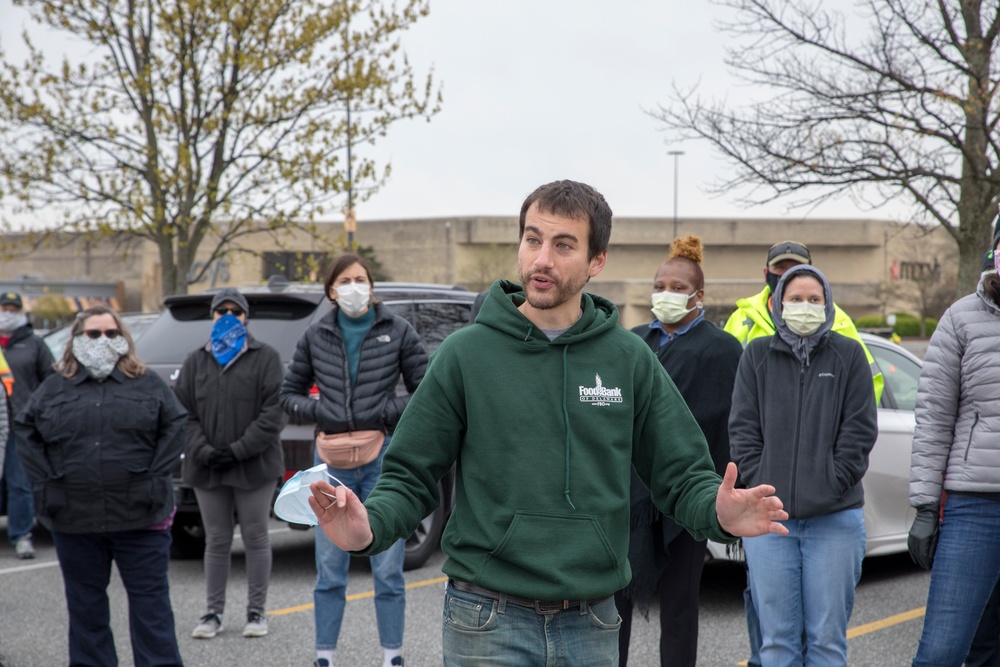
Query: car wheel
{"x":188,"y":537}
{"x":424,"y":540}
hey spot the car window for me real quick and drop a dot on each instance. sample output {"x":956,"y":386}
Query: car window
{"x":436,"y":320}
{"x":901,"y":375}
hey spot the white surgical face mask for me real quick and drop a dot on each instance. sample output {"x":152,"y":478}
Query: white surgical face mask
{"x":10,"y":320}
{"x":803,"y":318}
{"x":671,"y":307}
{"x":292,"y":503}
{"x":353,"y":298}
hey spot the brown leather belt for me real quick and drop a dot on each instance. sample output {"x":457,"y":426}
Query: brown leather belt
{"x":540,"y":606}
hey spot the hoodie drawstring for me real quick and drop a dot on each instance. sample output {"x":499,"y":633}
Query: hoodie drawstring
{"x":566,"y":423}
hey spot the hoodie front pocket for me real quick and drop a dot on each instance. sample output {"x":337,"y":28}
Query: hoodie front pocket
{"x":553,"y":548}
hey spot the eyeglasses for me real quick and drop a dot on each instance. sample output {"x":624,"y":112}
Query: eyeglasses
{"x":225,"y":311}
{"x":97,"y":333}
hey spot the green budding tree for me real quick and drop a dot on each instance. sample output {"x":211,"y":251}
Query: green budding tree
{"x":199,"y":122}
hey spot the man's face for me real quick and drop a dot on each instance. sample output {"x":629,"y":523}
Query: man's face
{"x":10,"y":308}
{"x":779,"y":268}
{"x":552,"y":260}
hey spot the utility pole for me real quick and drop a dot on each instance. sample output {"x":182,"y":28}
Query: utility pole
{"x":676,"y":155}
{"x":350,"y":222}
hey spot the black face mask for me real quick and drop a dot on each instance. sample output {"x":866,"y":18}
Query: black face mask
{"x":772,"y":281}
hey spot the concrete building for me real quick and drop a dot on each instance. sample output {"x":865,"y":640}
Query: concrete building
{"x":875,"y":266}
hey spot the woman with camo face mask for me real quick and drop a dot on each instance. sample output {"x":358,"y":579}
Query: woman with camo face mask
{"x":101,"y":438}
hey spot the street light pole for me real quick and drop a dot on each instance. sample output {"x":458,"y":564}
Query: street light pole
{"x":676,"y":155}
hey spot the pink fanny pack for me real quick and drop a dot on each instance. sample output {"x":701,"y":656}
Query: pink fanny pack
{"x":349,"y":450}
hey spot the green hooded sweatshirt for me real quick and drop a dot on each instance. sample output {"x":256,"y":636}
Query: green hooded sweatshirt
{"x":544,"y":434}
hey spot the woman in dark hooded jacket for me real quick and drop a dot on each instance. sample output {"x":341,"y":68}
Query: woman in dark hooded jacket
{"x":804,"y":420}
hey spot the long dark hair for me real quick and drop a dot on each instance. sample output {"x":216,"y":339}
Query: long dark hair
{"x":129,"y":364}
{"x":991,"y":287}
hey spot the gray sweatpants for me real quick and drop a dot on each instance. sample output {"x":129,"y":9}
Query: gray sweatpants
{"x":218,"y":509}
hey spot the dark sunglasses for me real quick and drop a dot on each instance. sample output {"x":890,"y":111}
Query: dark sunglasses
{"x":224,"y":311}
{"x":97,"y":333}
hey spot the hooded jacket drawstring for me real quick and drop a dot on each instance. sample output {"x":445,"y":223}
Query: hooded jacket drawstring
{"x":566,"y":422}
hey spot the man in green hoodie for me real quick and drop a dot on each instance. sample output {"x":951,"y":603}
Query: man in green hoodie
{"x":545,"y":404}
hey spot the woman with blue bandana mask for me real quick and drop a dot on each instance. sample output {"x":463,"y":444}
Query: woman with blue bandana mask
{"x":233,"y":457}
{"x":102,"y":437}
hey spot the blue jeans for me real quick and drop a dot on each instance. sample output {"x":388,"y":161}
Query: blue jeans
{"x":479,"y":630}
{"x":966,"y":567}
{"x":142,"y":557}
{"x":20,"y":504}
{"x":332,"y":565}
{"x":804,"y":583}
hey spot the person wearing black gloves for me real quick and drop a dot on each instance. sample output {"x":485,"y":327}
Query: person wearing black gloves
{"x":233,"y":457}
{"x":956,"y":449}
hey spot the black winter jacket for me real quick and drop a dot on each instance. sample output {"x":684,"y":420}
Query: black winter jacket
{"x":390,"y":348}
{"x":235,"y":407}
{"x":805,"y":429}
{"x":100,"y":454}
{"x":30,"y":361}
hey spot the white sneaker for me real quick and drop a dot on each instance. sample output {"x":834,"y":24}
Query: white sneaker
{"x":256,"y":624}
{"x":24,"y":547}
{"x":208,"y":626}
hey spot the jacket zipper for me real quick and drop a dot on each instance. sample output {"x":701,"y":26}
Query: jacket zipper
{"x":968,"y":445}
{"x":798,"y":429}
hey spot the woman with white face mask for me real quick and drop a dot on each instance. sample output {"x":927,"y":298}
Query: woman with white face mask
{"x":701,"y":359}
{"x":804,"y":420}
{"x":354,"y":356}
{"x":102,"y":437}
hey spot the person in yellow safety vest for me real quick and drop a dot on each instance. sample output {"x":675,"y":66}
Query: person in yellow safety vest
{"x":752,"y":319}
{"x":6,"y":375}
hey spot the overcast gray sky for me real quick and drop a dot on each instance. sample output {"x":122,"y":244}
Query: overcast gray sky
{"x":536,"y":90}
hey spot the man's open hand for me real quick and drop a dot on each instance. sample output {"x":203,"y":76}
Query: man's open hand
{"x":748,"y":512}
{"x":341,"y":515}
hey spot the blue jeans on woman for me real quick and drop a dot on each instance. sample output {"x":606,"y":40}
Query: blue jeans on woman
{"x":966,"y":567}
{"x":479,"y":630}
{"x":332,"y":565}
{"x":804,"y":583}
{"x":20,"y":503}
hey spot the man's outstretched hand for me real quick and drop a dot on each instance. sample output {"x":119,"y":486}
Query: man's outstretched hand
{"x":341,"y":515}
{"x":748,"y":512}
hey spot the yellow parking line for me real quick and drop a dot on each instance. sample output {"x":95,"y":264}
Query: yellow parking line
{"x":882,"y":624}
{"x":356,"y":596}
{"x":885,"y":622}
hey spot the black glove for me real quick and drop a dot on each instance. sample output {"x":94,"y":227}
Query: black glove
{"x":923,"y":537}
{"x":220,"y":459}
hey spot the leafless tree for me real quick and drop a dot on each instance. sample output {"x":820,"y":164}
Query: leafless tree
{"x":897,"y":101}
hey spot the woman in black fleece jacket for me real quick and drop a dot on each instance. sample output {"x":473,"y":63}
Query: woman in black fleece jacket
{"x":804,"y":419}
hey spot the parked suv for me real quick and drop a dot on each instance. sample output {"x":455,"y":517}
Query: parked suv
{"x":280,"y":312}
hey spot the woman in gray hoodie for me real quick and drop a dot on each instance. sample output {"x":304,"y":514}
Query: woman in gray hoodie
{"x":804,"y":420}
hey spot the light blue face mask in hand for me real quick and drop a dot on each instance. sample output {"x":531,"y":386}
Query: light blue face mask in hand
{"x":292,"y":503}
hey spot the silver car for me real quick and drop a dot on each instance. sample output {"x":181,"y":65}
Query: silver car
{"x":888,"y":514}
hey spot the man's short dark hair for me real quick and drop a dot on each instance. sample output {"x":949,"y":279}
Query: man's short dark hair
{"x":574,"y":200}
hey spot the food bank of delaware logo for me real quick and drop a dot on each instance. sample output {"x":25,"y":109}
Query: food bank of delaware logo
{"x":599,"y":394}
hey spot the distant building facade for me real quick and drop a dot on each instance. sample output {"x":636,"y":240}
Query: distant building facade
{"x":874,"y":266}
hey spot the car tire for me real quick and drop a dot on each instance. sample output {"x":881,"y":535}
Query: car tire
{"x":188,"y":537}
{"x":424,"y":540}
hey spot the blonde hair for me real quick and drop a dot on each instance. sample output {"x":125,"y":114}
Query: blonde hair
{"x":687,"y":250}
{"x":129,"y":364}
{"x":687,"y":247}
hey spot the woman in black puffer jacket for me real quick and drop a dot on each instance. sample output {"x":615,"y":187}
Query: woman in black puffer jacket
{"x":355,"y":356}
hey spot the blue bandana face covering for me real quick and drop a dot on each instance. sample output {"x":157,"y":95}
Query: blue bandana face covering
{"x":228,"y":338}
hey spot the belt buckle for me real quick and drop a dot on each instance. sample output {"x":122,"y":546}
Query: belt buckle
{"x":550,"y":608}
